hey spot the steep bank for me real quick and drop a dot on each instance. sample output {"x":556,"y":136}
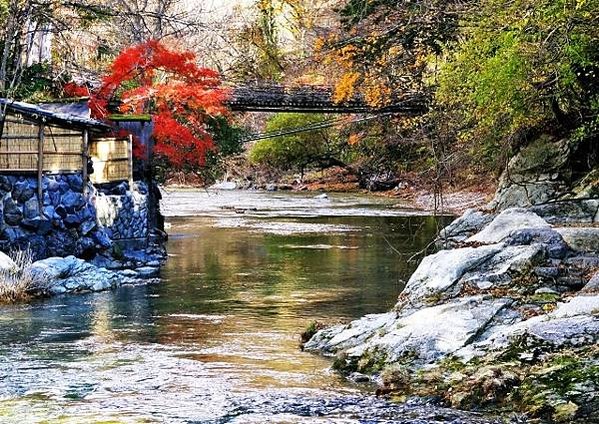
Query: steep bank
{"x":504,"y":317}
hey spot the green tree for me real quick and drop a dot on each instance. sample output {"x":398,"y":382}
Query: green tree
{"x":522,"y":67}
{"x":319,"y":148}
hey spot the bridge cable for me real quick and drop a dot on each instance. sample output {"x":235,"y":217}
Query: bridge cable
{"x":311,"y":127}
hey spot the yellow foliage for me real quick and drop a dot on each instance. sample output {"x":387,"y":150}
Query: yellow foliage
{"x":346,"y":87}
{"x":354,"y":139}
{"x":377,"y":95}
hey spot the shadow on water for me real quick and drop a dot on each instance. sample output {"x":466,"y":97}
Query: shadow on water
{"x":217,"y":340}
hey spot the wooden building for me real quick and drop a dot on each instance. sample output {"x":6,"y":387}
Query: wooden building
{"x":45,"y":139}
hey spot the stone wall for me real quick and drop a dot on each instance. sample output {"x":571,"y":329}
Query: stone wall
{"x":123,"y":211}
{"x":69,"y":222}
{"x":66,"y":223}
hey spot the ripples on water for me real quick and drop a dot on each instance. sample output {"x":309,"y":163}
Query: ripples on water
{"x":217,"y":340}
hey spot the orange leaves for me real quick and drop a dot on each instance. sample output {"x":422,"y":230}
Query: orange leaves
{"x":354,"y":139}
{"x":346,"y":87}
{"x":151,"y":78}
{"x":377,"y":95}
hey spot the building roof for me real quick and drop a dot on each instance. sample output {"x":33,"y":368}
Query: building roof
{"x":71,"y":115}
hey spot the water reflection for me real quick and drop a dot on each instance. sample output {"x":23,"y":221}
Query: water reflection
{"x":216,"y":341}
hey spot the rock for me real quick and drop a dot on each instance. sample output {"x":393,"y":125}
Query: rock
{"x":592,"y":286}
{"x":6,"y":263}
{"x":271,"y":187}
{"x":31,"y":208}
{"x":438,"y":272}
{"x":547,"y":272}
{"x":72,"y":220}
{"x":505,"y":223}
{"x":342,"y":337}
{"x":465,"y":226}
{"x":545,"y":290}
{"x":322,"y":196}
{"x":357,"y":377}
{"x":533,"y":175}
{"x":570,"y":321}
{"x":225,"y":185}
{"x":129,"y":273}
{"x":581,"y":239}
{"x":102,"y":239}
{"x":53,"y":185}
{"x":147,"y":272}
{"x":12,"y":212}
{"x":87,"y":227}
{"x":499,"y":268}
{"x":75,"y":182}
{"x":72,"y":274}
{"x":569,"y":211}
{"x":72,"y":201}
{"x":552,"y":240}
{"x":426,"y":335}
{"x":5,"y":184}
{"x":22,"y":191}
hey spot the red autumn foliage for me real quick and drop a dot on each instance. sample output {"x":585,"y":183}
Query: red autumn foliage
{"x":179,"y":94}
{"x":72,"y":89}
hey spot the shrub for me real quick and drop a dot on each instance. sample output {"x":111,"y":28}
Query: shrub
{"x":19,"y":284}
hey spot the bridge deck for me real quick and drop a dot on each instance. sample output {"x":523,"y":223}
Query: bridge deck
{"x":310,"y":99}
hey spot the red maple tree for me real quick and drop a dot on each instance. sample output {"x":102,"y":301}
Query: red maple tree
{"x":181,"y":96}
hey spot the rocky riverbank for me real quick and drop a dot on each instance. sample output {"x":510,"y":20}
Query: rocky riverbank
{"x":504,"y":317}
{"x":60,"y":275}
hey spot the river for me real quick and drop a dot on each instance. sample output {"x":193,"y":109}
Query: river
{"x":217,"y":340}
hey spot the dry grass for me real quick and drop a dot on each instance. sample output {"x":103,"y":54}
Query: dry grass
{"x":18,"y":285}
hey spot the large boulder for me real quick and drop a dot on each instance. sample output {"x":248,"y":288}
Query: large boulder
{"x":426,"y":335}
{"x":71,"y":274}
{"x":437,"y":273}
{"x":581,"y":239}
{"x":572,"y":323}
{"x":569,"y":211}
{"x":505,"y":223}
{"x":537,"y":174}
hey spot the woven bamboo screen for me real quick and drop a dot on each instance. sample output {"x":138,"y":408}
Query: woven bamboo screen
{"x":112,"y":158}
{"x":62,"y":148}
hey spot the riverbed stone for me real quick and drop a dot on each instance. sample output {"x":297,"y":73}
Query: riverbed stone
{"x":72,"y":274}
{"x":472,"y":221}
{"x":426,"y":335}
{"x":147,"y":271}
{"x":507,"y":222}
{"x":581,"y":239}
{"x":438,"y":272}
{"x":592,"y":286}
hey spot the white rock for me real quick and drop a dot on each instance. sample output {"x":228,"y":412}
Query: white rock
{"x":506,"y":222}
{"x":225,"y":185}
{"x":435,"y":331}
{"x":147,"y":272}
{"x":6,"y":263}
{"x":437,"y":273}
{"x":360,"y":330}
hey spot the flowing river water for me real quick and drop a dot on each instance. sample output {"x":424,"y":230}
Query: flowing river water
{"x":217,"y":340}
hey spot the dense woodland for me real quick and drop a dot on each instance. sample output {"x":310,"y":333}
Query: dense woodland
{"x":497,"y":75}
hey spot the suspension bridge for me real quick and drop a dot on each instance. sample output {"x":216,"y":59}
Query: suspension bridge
{"x":316,"y":99}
